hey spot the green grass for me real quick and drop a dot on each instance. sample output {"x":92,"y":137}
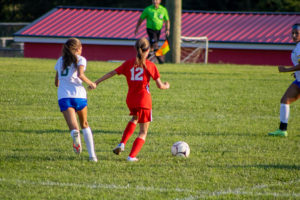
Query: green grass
{"x":223,"y":112}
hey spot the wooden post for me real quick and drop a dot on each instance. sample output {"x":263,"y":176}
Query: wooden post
{"x":174,"y":8}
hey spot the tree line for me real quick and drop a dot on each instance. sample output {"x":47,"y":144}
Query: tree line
{"x":28,"y":10}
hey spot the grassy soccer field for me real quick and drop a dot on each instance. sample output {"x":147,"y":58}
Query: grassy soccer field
{"x":223,"y":112}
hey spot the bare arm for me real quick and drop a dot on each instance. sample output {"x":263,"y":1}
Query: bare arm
{"x":82,"y":76}
{"x":167,"y":26}
{"x":161,"y":85}
{"x":138,"y":25}
{"x":289,"y":69}
{"x":106,"y":76}
{"x":56,"y":80}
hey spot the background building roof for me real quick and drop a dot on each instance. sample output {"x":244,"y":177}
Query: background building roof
{"x":109,"y":23}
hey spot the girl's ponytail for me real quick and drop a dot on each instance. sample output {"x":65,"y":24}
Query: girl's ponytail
{"x":69,"y":52}
{"x":142,"y":46}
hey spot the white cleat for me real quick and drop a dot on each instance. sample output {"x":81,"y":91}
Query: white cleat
{"x":132,"y":159}
{"x":93,"y":159}
{"x":119,"y":148}
{"x":77,"y":142}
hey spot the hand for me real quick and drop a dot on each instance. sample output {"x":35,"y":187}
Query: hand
{"x":167,"y":85}
{"x":281,"y":68}
{"x":92,"y":86}
{"x":167,"y":33}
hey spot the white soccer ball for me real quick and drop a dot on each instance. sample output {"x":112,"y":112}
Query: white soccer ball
{"x":181,"y":149}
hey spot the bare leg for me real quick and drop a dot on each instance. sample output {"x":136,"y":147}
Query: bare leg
{"x":87,"y":133}
{"x":291,"y":95}
{"x":143,"y":130}
{"x":70,"y":117}
{"x":82,"y":115}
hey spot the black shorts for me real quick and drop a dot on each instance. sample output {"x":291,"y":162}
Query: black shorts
{"x":153,"y":37}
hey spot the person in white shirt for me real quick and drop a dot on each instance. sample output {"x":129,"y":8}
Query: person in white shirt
{"x":293,"y":92}
{"x":72,"y":96}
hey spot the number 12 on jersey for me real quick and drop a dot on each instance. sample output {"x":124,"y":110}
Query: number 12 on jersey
{"x":137,"y":73}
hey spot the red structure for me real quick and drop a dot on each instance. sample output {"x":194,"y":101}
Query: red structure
{"x":90,"y":51}
{"x":108,"y":34}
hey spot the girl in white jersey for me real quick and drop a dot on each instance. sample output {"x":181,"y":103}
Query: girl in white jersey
{"x":71,"y":94}
{"x":293,"y":92}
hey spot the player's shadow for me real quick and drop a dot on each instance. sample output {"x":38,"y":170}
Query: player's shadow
{"x":224,"y":134}
{"x":213,"y":134}
{"x":269,"y":166}
{"x":99,"y":131}
{"x":36,"y":131}
{"x":23,"y":156}
{"x":96,"y":131}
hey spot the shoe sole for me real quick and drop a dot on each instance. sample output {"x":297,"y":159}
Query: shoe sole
{"x":270,"y":134}
{"x":76,"y":143}
{"x":93,"y":159}
{"x":132,"y":160}
{"x":117,"y":151}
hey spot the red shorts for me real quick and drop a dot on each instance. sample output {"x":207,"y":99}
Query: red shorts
{"x":144,"y":115}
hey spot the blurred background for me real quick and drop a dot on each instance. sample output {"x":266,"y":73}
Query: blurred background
{"x":28,"y":10}
{"x":16,"y":14}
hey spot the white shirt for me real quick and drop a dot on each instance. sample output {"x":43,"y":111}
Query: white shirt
{"x":70,"y":86}
{"x":295,"y":56}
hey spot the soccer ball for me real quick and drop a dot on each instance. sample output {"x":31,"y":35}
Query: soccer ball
{"x":181,"y":149}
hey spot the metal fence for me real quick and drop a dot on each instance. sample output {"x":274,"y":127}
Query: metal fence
{"x":9,"y":48}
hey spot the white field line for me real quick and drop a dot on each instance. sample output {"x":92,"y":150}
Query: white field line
{"x":245,"y":191}
{"x":200,"y":194}
{"x":93,"y":186}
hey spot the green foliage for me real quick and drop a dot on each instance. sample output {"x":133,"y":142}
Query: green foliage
{"x":28,"y":10}
{"x":279,"y":5}
{"x":223,"y":112}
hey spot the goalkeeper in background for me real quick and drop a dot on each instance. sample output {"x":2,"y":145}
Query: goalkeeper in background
{"x":156,"y":16}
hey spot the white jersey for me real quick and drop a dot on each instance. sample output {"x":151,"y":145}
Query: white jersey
{"x":70,"y":85}
{"x":295,"y":56}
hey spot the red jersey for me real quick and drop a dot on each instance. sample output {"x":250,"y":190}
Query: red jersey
{"x":138,"y":79}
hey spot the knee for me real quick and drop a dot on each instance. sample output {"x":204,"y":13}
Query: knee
{"x":285,"y":100}
{"x":84,"y":124}
{"x":134,"y":119}
{"x":143,"y":136}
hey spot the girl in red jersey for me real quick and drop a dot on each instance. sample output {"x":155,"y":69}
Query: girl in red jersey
{"x":137,"y":72}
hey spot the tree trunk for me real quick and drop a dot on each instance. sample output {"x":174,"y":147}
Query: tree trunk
{"x":174,"y":8}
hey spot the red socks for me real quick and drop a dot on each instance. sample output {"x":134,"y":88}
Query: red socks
{"x":137,"y":144}
{"x":136,"y":147}
{"x":128,"y":132}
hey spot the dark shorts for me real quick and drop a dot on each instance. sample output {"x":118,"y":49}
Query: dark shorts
{"x":76,"y":103}
{"x":153,"y":37}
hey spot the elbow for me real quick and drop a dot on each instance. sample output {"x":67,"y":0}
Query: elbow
{"x":81,"y":76}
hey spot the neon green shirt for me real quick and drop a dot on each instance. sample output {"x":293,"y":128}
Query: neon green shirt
{"x":155,"y":17}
